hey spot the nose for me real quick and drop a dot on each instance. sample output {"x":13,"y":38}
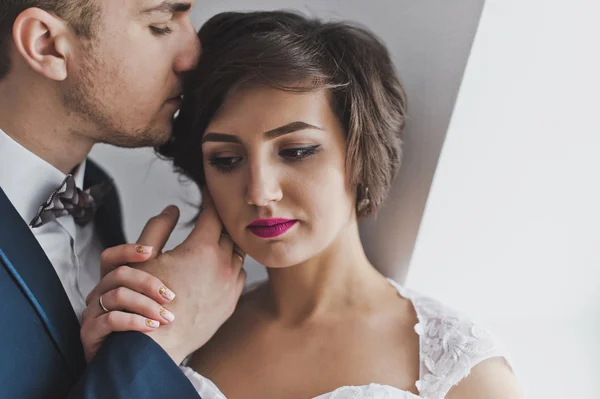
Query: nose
{"x":263,"y":186}
{"x":190,"y":50}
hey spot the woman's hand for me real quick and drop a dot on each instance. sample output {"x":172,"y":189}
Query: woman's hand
{"x":127,"y":299}
{"x":207,"y":267}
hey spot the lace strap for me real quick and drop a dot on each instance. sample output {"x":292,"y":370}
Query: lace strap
{"x":450,"y":345}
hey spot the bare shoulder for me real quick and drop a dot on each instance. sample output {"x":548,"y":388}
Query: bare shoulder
{"x":491,"y":379}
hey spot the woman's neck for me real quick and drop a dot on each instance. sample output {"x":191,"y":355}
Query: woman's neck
{"x":337,"y":280}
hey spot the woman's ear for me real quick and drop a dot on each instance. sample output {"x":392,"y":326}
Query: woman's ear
{"x":44,"y":41}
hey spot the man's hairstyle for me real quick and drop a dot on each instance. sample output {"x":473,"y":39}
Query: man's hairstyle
{"x":288,"y":51}
{"x":79,"y":14}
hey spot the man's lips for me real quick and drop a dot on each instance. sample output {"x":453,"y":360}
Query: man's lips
{"x":177,"y":98}
{"x":269,"y":228}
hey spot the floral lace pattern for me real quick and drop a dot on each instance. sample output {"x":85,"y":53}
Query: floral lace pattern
{"x":371,"y":391}
{"x":451,"y":345}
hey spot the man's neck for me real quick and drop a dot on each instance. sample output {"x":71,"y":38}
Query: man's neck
{"x":41,"y":125}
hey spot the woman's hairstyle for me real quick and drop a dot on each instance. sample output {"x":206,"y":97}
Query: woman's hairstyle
{"x":288,"y":51}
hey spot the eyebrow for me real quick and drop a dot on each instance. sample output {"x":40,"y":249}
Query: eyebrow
{"x":269,"y":135}
{"x":168,"y":7}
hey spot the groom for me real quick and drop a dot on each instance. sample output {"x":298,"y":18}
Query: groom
{"x":74,"y":73}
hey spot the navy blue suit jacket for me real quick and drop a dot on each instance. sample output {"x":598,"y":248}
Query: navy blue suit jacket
{"x":41,"y":355}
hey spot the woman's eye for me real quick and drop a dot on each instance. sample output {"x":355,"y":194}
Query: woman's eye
{"x":161,"y":31}
{"x":225,"y":164}
{"x":298,"y":154}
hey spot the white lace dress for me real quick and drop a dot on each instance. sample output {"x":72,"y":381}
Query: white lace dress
{"x":450,"y":346}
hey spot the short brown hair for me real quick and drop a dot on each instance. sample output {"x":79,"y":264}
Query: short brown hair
{"x":78,"y":13}
{"x":288,"y":51}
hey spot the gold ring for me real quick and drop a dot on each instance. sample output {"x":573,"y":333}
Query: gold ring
{"x":102,"y":305}
{"x":239,"y":256}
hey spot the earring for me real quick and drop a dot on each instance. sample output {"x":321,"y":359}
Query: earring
{"x":364,"y":201}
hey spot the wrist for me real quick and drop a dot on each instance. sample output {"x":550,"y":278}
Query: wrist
{"x":169,"y":343}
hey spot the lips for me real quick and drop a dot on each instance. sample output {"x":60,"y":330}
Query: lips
{"x":269,"y":228}
{"x":175,"y":99}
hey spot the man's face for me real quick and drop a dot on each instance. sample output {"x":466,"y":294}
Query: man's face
{"x":125,"y":83}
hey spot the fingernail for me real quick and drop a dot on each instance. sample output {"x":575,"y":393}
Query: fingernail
{"x":142,"y":249}
{"x":166,"y":293}
{"x":168,"y":316}
{"x":152,"y":323}
{"x":170,"y":210}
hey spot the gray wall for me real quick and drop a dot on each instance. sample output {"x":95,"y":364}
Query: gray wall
{"x":511,"y":228}
{"x":430,"y":42}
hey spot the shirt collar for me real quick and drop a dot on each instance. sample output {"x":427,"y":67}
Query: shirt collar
{"x":28,"y":180}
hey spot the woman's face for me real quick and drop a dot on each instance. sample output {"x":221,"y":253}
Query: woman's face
{"x":275,"y":166}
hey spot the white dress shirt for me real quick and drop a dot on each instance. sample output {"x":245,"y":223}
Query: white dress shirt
{"x":73,"y":250}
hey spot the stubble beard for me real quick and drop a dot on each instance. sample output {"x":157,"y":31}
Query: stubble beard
{"x":87,"y":99}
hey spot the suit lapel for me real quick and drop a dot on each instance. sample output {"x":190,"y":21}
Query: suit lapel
{"x":31,"y":270}
{"x":108,"y":220}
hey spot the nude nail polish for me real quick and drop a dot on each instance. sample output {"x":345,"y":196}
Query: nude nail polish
{"x":166,"y":293}
{"x":152,"y":323}
{"x":142,"y":249}
{"x":168,"y":316}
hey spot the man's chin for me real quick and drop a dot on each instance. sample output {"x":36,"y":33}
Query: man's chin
{"x":141,"y":138}
{"x":162,"y":137}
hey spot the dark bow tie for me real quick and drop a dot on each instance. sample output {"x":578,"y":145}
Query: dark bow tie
{"x":67,"y":199}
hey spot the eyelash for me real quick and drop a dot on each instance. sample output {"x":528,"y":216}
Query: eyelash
{"x":229,"y":164}
{"x":161,"y":31}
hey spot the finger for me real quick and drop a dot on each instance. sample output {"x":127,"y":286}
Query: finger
{"x":134,"y":279}
{"x":123,"y":321}
{"x":226,"y":243}
{"x":94,"y":331}
{"x":157,"y":231}
{"x":114,"y":257}
{"x":127,"y":300}
{"x":238,"y":258}
{"x":207,"y":229}
{"x":237,"y":290}
{"x":241,"y":282}
{"x":207,"y":201}
{"x":239,"y":250}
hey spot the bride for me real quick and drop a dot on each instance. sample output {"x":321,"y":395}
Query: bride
{"x":293,"y":126}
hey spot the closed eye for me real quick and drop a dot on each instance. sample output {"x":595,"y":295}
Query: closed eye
{"x":161,"y":31}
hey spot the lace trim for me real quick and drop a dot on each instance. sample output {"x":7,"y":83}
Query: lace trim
{"x":450,"y":345}
{"x":374,"y":391}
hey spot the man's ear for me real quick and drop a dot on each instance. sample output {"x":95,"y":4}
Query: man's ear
{"x":44,"y":42}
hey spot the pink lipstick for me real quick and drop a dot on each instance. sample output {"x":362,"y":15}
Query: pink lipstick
{"x":270,"y":228}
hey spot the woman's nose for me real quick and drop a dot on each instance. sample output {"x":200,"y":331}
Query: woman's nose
{"x":263,"y":186}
